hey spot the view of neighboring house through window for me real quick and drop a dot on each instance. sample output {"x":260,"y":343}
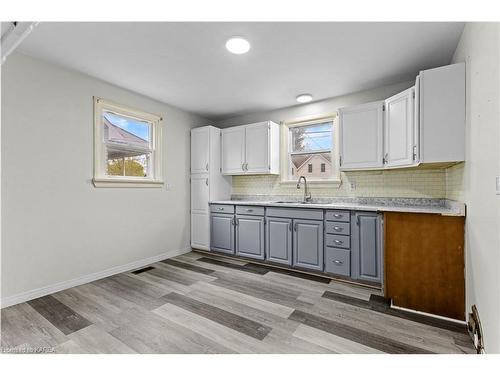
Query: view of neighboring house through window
{"x":127,"y":146}
{"x":311,"y":145}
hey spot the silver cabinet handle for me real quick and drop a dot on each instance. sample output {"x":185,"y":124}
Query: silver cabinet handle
{"x":339,"y":242}
{"x":290,"y":226}
{"x":338,"y":229}
{"x":246,"y":166}
{"x":386,"y":157}
{"x":242,"y":166}
{"x":249,"y":210}
{"x":220,"y":208}
{"x":206,"y":181}
{"x":206,"y":167}
{"x":337,"y":215}
{"x":232,"y":221}
{"x":339,"y":262}
{"x":295,"y":227}
{"x":237,"y":221}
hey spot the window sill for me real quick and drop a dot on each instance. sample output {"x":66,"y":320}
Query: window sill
{"x":125,"y":183}
{"x":319,"y":183}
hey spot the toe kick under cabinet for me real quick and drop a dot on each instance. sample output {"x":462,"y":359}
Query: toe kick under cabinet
{"x":340,"y":243}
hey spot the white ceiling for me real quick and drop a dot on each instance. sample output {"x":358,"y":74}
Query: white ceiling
{"x":187,"y":65}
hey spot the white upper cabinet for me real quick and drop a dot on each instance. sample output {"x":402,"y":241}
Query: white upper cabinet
{"x":361,"y":141}
{"x":251,"y":149}
{"x":257,"y":148}
{"x":200,"y":148}
{"x":400,"y":147}
{"x":423,"y":124}
{"x":441,"y":114}
{"x":233,"y":150}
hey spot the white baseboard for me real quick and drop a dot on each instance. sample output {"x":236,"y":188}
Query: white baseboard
{"x":49,"y":289}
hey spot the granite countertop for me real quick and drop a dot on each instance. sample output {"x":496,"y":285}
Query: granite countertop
{"x":444,"y":207}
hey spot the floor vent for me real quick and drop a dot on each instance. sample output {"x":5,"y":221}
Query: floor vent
{"x":475,"y":330}
{"x":145,"y":269}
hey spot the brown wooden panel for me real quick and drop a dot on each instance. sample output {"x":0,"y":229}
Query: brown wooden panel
{"x":424,"y":263}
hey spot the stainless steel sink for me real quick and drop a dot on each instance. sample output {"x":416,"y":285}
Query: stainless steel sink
{"x":295,"y":202}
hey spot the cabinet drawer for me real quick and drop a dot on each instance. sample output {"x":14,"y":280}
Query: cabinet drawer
{"x":338,"y":240}
{"x":338,"y":215}
{"x":250,"y":210}
{"x":338,"y":261}
{"x":222,"y":208}
{"x":334,"y":227}
{"x":295,"y":213}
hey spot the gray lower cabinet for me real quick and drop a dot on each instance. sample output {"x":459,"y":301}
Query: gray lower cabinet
{"x":308,"y":244}
{"x":250,"y":236}
{"x":367,"y":246}
{"x":279,"y":240}
{"x":222,"y":233}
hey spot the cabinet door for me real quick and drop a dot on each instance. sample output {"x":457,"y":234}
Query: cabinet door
{"x":400,"y":149}
{"x":367,"y":246}
{"x":222,"y":233}
{"x":279,"y":240}
{"x":200,"y":230}
{"x":361,"y":136}
{"x":250,"y":236}
{"x":233,"y":150}
{"x":308,"y":244}
{"x":200,"y":148}
{"x":257,"y":148}
{"x":199,"y":193}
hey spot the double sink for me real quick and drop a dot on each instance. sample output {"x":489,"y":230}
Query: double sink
{"x":295,"y":202}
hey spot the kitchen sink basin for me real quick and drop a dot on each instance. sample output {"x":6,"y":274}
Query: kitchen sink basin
{"x":295,"y":202}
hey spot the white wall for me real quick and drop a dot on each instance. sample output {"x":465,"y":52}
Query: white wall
{"x":479,"y":47}
{"x":56,"y":225}
{"x":322,"y":107}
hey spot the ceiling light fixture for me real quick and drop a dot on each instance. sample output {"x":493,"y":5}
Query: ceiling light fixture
{"x":304,"y":98}
{"x":237,"y":45}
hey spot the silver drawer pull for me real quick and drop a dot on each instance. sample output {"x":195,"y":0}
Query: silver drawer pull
{"x":337,"y":215}
{"x":220,"y":208}
{"x":338,"y":241}
{"x":338,"y":229}
{"x":339,"y":262}
{"x":249,"y":210}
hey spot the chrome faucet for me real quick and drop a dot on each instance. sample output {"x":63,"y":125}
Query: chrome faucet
{"x":307,"y":194}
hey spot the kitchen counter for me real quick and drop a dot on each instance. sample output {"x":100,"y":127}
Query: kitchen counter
{"x":443,"y":207}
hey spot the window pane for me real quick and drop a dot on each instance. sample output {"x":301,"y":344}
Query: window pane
{"x":125,"y":131}
{"x":316,"y":137}
{"x":311,"y":165}
{"x":136,"y":166}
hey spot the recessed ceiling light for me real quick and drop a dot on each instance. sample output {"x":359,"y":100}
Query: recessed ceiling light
{"x":237,"y":45}
{"x":304,"y":98}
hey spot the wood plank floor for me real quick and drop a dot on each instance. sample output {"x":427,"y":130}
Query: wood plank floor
{"x":196,"y":303}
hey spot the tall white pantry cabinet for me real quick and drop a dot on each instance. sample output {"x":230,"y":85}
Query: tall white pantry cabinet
{"x":207,"y":182}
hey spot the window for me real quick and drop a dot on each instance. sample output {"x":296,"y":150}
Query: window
{"x":310,"y":150}
{"x":127,"y":146}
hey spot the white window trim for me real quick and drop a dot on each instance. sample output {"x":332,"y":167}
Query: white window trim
{"x":100,"y":178}
{"x":335,"y":179}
